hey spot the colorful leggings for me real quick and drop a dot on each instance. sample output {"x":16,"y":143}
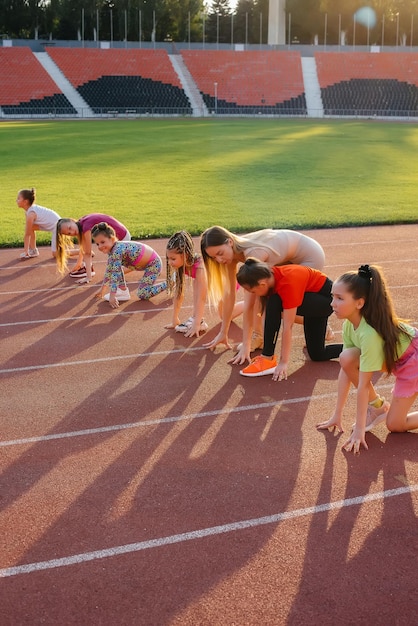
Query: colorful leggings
{"x":146,"y":288}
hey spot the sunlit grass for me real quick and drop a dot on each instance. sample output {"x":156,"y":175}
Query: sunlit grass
{"x":161,"y":175}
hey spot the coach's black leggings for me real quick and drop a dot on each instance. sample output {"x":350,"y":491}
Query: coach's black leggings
{"x":315,"y":309}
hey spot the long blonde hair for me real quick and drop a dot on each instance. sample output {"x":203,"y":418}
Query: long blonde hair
{"x":65,"y":242}
{"x":216,"y":272}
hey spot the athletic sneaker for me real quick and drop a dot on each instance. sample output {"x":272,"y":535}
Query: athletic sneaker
{"x":257,"y":342}
{"x":32,"y":252}
{"x":376,"y":416}
{"x":185,"y":326}
{"x":82,"y":272}
{"x":121,"y":295}
{"x":260,"y":366}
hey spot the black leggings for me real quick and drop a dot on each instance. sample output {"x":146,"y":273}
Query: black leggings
{"x":315,"y":309}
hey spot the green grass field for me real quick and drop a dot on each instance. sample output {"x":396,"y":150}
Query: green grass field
{"x":158,"y":176}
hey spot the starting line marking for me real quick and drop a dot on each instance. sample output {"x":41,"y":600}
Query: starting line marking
{"x":171,"y":419}
{"x":192,"y":535}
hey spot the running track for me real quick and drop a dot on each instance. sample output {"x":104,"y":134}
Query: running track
{"x":144,"y":481}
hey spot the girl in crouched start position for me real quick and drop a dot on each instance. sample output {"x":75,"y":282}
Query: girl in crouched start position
{"x":182,"y":261}
{"x":131,"y":255}
{"x":288,"y":291}
{"x":375,"y":340}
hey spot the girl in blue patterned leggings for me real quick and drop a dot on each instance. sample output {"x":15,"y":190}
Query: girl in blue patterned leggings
{"x":132,"y":255}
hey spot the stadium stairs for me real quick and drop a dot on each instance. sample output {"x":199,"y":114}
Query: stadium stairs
{"x":64,"y":84}
{"x":313,"y":97}
{"x":197,"y":103}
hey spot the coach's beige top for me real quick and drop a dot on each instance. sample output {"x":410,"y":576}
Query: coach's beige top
{"x":286,"y":246}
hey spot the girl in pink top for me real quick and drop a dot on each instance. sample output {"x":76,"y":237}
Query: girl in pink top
{"x":182,"y":261}
{"x":69,"y":228}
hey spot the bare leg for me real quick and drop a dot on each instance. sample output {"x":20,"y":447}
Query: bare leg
{"x":398,"y":419}
{"x":350,"y":362}
{"x":236,"y":311}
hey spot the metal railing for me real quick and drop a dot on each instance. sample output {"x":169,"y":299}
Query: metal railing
{"x":20,"y":113}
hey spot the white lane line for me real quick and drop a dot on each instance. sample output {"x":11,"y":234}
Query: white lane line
{"x":212,"y":531}
{"x":74,"y":318}
{"x":172,"y":419}
{"x":120,"y":357}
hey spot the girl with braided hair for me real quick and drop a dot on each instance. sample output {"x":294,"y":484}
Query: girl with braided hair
{"x":183,"y":261}
{"x":375,"y":340}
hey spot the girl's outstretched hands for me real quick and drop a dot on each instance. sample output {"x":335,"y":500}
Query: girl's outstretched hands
{"x":356,"y":439}
{"x":280,"y":373}
{"x":220,"y":338}
{"x":334,"y":424}
{"x":241,"y":357}
{"x":113,"y":301}
{"x":194,"y":330}
{"x":173,"y":324}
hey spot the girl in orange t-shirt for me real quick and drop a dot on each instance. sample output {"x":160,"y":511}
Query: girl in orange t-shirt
{"x":287,"y":291}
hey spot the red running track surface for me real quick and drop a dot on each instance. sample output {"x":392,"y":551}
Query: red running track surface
{"x":144,"y":481}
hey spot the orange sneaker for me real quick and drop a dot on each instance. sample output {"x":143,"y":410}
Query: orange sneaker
{"x":260,"y":366}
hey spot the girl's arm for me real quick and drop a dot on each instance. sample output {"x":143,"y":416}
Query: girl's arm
{"x":30,"y":219}
{"x":177,"y":302}
{"x":200,"y":291}
{"x":244,"y":353}
{"x":358,"y":435}
{"x":289,"y":316}
{"x":335,"y":422}
{"x":88,"y":259}
{"x":113,"y":277}
{"x":103,"y":291}
{"x":228,"y":303}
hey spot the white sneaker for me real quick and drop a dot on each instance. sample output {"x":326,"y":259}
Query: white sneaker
{"x":30,"y":254}
{"x":121,"y":295}
{"x":185,"y":326}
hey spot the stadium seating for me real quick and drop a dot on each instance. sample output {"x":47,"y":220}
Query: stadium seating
{"x":248,"y":81}
{"x":357,"y":83}
{"x":26,"y":88}
{"x":142,"y":81}
{"x":123,"y":80}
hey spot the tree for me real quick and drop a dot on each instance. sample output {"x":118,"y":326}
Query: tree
{"x":244,"y":22}
{"x":14,"y":18}
{"x":218,"y":25}
{"x":306,"y":20}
